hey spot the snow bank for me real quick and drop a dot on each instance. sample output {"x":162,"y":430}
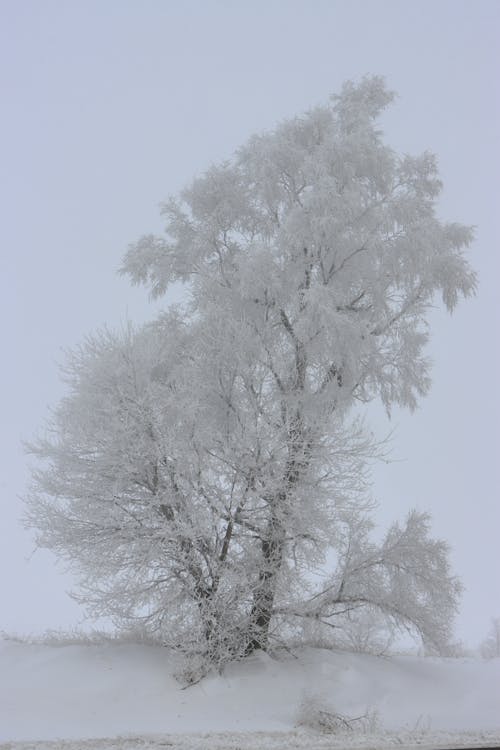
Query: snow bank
{"x":110,"y":690}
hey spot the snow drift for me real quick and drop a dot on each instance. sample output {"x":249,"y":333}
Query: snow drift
{"x":89,"y":691}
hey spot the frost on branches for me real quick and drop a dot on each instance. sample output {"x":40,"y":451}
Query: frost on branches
{"x":203,"y":468}
{"x":490,"y":646}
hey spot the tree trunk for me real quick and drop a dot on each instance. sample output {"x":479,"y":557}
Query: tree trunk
{"x":263,"y":604}
{"x":273,"y":544}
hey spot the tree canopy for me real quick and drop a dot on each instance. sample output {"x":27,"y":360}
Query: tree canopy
{"x":203,"y":468}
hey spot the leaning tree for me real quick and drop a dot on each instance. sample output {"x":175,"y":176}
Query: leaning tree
{"x":203,"y":467}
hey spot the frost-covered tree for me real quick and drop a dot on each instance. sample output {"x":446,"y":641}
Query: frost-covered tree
{"x":490,"y":647}
{"x":202,"y":468}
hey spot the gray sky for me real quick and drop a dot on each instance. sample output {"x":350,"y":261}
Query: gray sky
{"x":109,"y":107}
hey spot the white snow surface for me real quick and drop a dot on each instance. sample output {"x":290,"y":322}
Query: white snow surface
{"x":69,"y":696}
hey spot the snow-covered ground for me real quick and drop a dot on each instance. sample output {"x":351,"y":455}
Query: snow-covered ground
{"x":71,"y":695}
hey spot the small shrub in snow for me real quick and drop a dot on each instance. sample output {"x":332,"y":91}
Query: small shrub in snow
{"x":314,"y":713}
{"x":191,"y":671}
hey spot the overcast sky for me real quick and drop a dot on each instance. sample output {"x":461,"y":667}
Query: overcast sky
{"x":109,"y":106}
